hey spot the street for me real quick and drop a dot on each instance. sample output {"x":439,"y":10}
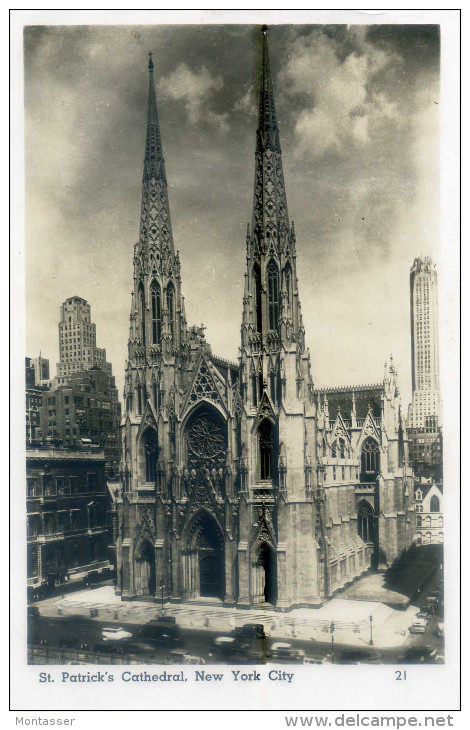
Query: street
{"x":77,"y":639}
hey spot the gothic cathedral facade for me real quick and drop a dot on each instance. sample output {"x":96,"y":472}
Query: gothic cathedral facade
{"x":237,"y":481}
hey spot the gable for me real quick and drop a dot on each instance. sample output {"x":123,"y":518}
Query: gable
{"x":207,"y":385}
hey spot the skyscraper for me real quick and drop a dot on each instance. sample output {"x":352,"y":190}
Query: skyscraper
{"x":424,"y":415}
{"x":235,"y":483}
{"x":77,"y":340}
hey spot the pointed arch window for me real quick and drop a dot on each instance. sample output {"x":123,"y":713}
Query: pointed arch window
{"x":266,"y":440}
{"x":273,"y":295}
{"x":257,"y":296}
{"x":434,"y":504}
{"x":150,"y":448}
{"x":254,"y":389}
{"x":339,"y":449}
{"x":365,"y":521}
{"x":273,"y":385}
{"x":170,"y":301}
{"x":370,"y":460}
{"x":288,"y":288}
{"x":156,"y":305}
{"x":142,"y":313}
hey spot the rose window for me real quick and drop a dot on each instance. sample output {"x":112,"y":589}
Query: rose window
{"x":206,"y":442}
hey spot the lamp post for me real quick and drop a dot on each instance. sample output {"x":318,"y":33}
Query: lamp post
{"x":332,"y":631}
{"x":371,"y":641}
{"x":162,"y":587}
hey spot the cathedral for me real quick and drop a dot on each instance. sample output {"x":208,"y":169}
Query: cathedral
{"x":240,"y":481}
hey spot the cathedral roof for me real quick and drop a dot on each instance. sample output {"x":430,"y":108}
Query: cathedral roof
{"x":341,"y":398}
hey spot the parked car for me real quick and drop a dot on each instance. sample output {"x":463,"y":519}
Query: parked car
{"x":160,"y":632}
{"x":418,"y":626}
{"x":251,"y":631}
{"x":358,"y":656}
{"x":423,"y":614}
{"x":115,"y":633}
{"x":282,"y":651}
{"x":223,"y":644}
{"x":93,"y":577}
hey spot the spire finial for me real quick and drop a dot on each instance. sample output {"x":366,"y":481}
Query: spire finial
{"x":150,"y":61}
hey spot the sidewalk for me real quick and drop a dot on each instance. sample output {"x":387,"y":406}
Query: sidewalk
{"x":351,"y":618}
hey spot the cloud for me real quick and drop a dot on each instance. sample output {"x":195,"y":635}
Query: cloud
{"x":246,"y":102}
{"x":195,"y":90}
{"x":341,"y":106}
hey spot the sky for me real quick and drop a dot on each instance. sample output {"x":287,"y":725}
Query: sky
{"x":358,"y":113}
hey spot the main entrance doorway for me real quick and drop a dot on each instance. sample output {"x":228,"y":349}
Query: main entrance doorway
{"x":205,"y":574}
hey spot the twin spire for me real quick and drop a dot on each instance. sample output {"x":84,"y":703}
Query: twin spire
{"x":153,"y":161}
{"x":268,"y":133}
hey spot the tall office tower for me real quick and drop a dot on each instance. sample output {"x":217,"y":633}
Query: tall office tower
{"x":424,"y":415}
{"x":41,"y":370}
{"x":77,"y":341}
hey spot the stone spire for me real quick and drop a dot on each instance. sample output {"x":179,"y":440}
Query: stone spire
{"x":272,"y":316}
{"x":157,"y":319}
{"x":270,"y":217}
{"x":155,"y":223}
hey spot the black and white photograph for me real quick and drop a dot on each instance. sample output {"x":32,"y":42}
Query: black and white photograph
{"x":240,"y":346}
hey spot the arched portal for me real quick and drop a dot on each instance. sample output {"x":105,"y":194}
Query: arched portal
{"x":267,"y":560}
{"x":205,"y":559}
{"x":145,"y":573}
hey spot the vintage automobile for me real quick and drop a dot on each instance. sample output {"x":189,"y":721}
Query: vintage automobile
{"x":284,"y":652}
{"x":115,"y":633}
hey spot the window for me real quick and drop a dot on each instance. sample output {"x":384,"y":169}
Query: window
{"x":257,"y":296}
{"x":369,"y":460}
{"x":170,"y":300}
{"x":92,"y":482}
{"x":339,"y":449}
{"x":254,"y":389}
{"x":273,"y":295}
{"x":142,"y":313}
{"x":419,"y":521}
{"x":33,"y":487}
{"x":266,"y":449}
{"x":156,"y":304}
{"x":150,"y":453}
{"x":365,"y":521}
{"x":434,"y":504}
{"x":49,"y":486}
{"x":288,"y":287}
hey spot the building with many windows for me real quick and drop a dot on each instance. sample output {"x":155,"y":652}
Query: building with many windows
{"x":424,"y":415}
{"x":239,"y":480}
{"x":85,"y":409}
{"x":77,"y":341}
{"x":429,"y":517}
{"x":36,"y":384}
{"x":68,"y":531}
